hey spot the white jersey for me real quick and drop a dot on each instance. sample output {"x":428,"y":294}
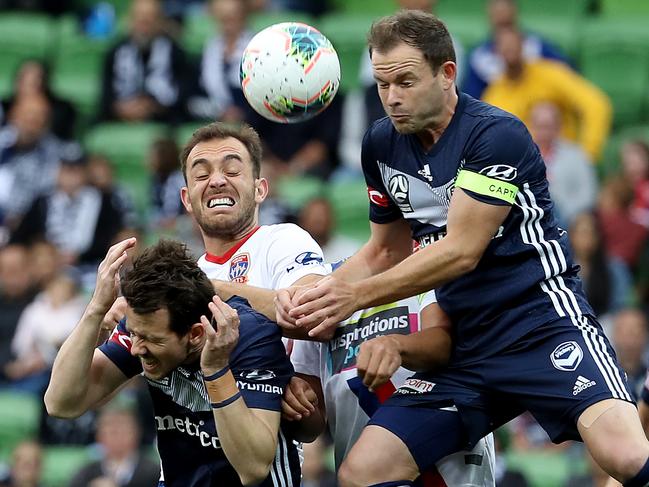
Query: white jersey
{"x":348,"y":401}
{"x":271,"y":257}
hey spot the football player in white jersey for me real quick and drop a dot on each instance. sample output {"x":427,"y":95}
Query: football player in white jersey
{"x":372,"y":354}
{"x":221,"y":165}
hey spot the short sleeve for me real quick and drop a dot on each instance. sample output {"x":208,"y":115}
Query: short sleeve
{"x":382,"y":208}
{"x":427,"y":298}
{"x":501,"y":158}
{"x":306,"y":357}
{"x":259,"y":362}
{"x":118,"y":349}
{"x":293,"y":254}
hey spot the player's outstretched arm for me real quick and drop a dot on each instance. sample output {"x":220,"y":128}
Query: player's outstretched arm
{"x":425,"y":350}
{"x":389,"y":244}
{"x":263,"y":301}
{"x":247,"y":436}
{"x":83,"y":377}
{"x":303,"y":405}
{"x":471,"y":226}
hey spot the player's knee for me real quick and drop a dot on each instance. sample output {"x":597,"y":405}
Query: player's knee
{"x":352,"y":472}
{"x":627,"y":465}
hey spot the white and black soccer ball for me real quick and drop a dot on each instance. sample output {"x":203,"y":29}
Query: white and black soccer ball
{"x":290,"y":72}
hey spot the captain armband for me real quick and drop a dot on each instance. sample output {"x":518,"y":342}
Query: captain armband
{"x":486,"y":186}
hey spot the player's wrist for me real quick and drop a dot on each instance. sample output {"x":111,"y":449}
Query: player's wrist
{"x":221,"y":386}
{"x":96,"y":310}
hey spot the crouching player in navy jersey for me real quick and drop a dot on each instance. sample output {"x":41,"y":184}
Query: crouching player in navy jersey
{"x":465,"y":179}
{"x":216,"y":385}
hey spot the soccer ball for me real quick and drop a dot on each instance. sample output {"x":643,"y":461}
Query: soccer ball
{"x":289,"y":72}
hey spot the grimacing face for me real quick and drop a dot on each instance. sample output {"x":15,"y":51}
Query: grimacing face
{"x":159,"y":349}
{"x":412,"y":96}
{"x":222,"y":193}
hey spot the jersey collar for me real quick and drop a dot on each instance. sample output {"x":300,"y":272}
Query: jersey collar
{"x":222,"y":259}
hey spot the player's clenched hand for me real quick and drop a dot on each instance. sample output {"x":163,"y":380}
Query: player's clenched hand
{"x":285,"y":301}
{"x":299,"y":400}
{"x":321,"y":309}
{"x":108,"y":276}
{"x":222,"y":340}
{"x":378,"y":359}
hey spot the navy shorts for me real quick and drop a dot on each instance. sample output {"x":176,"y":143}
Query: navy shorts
{"x":555,"y":372}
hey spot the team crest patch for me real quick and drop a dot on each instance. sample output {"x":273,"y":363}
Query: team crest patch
{"x":239,"y":268}
{"x":567,"y":356}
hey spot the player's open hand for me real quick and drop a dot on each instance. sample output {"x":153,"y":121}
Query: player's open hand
{"x":222,"y":336}
{"x":108,"y":275}
{"x":378,"y":359}
{"x":321,"y":308}
{"x":299,"y":400}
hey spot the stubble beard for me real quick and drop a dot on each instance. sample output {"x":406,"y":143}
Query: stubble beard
{"x":216,"y":227}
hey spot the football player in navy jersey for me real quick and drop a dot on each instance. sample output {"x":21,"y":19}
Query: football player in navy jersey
{"x":465,"y":179}
{"x":216,"y":385}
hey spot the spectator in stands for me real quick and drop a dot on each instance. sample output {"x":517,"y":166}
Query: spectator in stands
{"x":29,"y":157}
{"x":634,"y":157}
{"x":585,"y":109}
{"x":26,"y":466}
{"x":606,"y":279}
{"x":143,"y":73}
{"x":76,"y":217}
{"x":623,"y":237}
{"x":317,"y":218}
{"x":45,"y":263}
{"x":16,"y":292}
{"x":218,"y":94}
{"x":572,"y":178}
{"x":34,"y":346}
{"x":166,"y":182}
{"x":312,"y":7}
{"x":122,"y":464}
{"x":302,"y":149}
{"x":274,"y":210}
{"x":373,"y":107}
{"x":101,"y":175}
{"x":630,"y":337}
{"x":485,"y":64}
{"x":32,"y":78}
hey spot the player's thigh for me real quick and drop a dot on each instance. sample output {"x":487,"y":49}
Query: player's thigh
{"x":401,"y":441}
{"x":613,"y":434}
{"x":378,"y":456}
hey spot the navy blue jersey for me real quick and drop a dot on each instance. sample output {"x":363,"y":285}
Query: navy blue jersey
{"x":526,"y":276}
{"x":187,"y":439}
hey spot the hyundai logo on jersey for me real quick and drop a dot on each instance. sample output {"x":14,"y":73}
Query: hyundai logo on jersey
{"x":306,"y":258}
{"x":500,"y":171}
{"x":258,"y":375}
{"x":567,"y":356}
{"x":239,"y":268}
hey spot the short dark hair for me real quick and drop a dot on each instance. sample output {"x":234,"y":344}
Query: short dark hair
{"x":418,"y":29}
{"x":219,"y":130}
{"x":166,"y":275}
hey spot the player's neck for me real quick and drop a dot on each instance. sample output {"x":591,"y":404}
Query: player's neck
{"x":219,"y":247}
{"x":431,"y":135}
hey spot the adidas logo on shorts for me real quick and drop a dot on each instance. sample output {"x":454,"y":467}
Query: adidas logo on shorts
{"x":582,"y":384}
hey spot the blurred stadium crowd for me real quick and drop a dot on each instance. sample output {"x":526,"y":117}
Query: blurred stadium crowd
{"x":98,"y":96}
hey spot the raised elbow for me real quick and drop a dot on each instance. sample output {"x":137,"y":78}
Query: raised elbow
{"x":57,"y":409}
{"x":256,"y":473}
